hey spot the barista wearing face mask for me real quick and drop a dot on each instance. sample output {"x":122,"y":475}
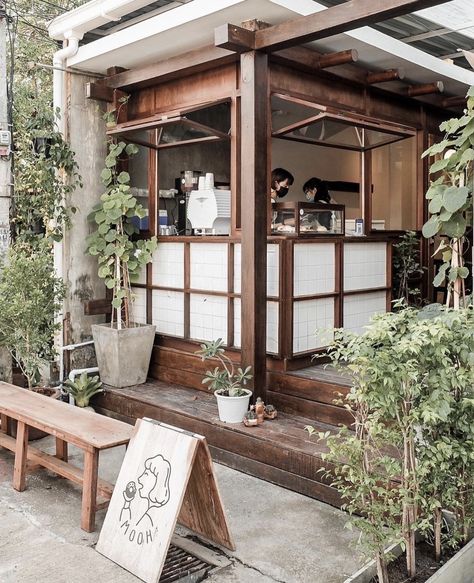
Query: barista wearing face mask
{"x":280,"y":182}
{"x":316,"y":190}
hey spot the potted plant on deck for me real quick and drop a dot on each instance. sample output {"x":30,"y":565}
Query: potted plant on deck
{"x":226,"y":382}
{"x":30,"y":299}
{"x":123,"y":348}
{"x":83,"y":389}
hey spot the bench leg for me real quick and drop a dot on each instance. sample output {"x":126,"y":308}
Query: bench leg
{"x":6,"y":426}
{"x":61,"y":449}
{"x":89,"y":490}
{"x":21,"y":451}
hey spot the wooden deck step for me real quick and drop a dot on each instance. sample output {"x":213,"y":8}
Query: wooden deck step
{"x":278,"y":451}
{"x":312,"y":392}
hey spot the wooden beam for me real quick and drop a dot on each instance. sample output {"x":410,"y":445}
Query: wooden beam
{"x":339,"y":58}
{"x":335,"y":20}
{"x":454,"y":101}
{"x":255,"y":189}
{"x":427,"y":89}
{"x":384,"y":76}
{"x":309,"y":60}
{"x":99,"y":92}
{"x":234,"y":38}
{"x":195,"y":61}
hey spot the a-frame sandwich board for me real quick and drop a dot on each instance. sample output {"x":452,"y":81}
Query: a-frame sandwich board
{"x":166,"y":477}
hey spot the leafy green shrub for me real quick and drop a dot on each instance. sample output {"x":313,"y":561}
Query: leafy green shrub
{"x":30,"y":299}
{"x":121,"y":255}
{"x":413,"y":403}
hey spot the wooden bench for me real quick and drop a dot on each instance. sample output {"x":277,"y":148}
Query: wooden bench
{"x":87,"y":430}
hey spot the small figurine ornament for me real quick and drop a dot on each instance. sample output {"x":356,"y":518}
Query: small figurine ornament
{"x":270,"y":412}
{"x":260,"y":410}
{"x":250,"y":418}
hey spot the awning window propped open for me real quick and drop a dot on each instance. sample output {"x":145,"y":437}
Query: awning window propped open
{"x":302,"y":121}
{"x":208,"y":123}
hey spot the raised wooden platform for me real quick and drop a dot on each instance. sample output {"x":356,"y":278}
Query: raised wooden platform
{"x":279,"y":451}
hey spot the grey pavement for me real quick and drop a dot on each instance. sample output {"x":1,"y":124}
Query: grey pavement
{"x":280,"y":536}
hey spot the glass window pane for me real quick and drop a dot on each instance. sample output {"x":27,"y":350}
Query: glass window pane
{"x":216,"y":117}
{"x":394,"y":186}
{"x":181,"y":131}
{"x":286,"y":112}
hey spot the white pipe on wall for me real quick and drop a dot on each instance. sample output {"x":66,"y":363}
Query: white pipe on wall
{"x":59,"y":60}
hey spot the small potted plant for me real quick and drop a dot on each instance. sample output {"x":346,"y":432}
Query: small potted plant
{"x":123,"y":348}
{"x":250,"y":419}
{"x":83,"y":389}
{"x":227,"y":383}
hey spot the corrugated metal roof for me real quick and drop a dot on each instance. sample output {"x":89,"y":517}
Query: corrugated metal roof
{"x":434,"y":38}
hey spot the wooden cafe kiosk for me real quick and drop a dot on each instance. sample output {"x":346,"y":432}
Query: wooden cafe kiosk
{"x":271,"y":280}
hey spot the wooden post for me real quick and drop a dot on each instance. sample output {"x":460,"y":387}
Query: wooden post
{"x":255,"y":189}
{"x":21,"y":453}
{"x":366,"y":189}
{"x":89,"y":489}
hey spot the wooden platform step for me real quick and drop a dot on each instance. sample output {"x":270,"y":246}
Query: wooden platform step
{"x":278,"y":451}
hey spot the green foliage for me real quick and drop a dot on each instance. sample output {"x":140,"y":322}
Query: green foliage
{"x":120,"y":254}
{"x":413,"y":402}
{"x":83,"y":389}
{"x":227,"y":380}
{"x":406,"y":267}
{"x":30,"y":299}
{"x":450,"y":196}
{"x":44,"y":170}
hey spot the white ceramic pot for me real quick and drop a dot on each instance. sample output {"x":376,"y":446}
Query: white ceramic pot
{"x":233,"y":409}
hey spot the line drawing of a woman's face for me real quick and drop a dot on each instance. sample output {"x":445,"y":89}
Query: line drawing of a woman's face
{"x":146,"y":483}
{"x":154,"y":481}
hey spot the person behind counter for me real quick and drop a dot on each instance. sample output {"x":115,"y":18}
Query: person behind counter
{"x":316,"y":190}
{"x":281,"y":181}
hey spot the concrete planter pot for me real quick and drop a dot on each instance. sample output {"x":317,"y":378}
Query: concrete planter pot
{"x":123,"y":356}
{"x":458,"y":569}
{"x":233,"y":409}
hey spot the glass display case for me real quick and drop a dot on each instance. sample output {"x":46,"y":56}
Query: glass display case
{"x":304,"y":218}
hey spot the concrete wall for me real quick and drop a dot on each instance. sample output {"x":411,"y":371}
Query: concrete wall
{"x":86,"y":134}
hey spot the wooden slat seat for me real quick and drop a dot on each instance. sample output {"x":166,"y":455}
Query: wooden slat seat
{"x":87,"y":430}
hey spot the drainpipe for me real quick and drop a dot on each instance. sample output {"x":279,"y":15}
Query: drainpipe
{"x":59,"y":60}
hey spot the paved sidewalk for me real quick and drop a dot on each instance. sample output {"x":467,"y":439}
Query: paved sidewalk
{"x":280,"y":536}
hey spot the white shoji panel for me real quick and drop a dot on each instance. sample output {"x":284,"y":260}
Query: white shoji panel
{"x":314,"y":268}
{"x":359,"y":308}
{"x":313,"y":321}
{"x":209,"y":266}
{"x":273,"y":269}
{"x":272,"y":325}
{"x":168,"y":265}
{"x":139,"y":305}
{"x":365,"y":265}
{"x":208,"y":317}
{"x":168,"y":312}
{"x":142,"y":276}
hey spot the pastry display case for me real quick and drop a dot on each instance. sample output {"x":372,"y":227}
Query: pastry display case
{"x":304,"y":218}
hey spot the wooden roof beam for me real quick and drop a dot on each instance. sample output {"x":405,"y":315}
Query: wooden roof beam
{"x":194,"y":61}
{"x":234,"y":38}
{"x":335,"y":20}
{"x":384,"y":76}
{"x":339,"y":58}
{"x":427,"y":89}
{"x":454,"y":101}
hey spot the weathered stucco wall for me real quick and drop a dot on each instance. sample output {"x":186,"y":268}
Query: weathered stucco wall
{"x":85,"y":131}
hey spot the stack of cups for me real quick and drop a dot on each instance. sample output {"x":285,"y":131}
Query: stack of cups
{"x":201,"y":183}
{"x":209,"y":180}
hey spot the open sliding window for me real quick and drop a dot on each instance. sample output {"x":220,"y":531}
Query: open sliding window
{"x":391,"y":192}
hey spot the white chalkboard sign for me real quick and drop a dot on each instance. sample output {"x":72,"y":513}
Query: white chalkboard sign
{"x":167,"y":473}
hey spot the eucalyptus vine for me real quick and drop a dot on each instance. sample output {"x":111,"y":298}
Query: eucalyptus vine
{"x":120,"y":253}
{"x":450,"y":198}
